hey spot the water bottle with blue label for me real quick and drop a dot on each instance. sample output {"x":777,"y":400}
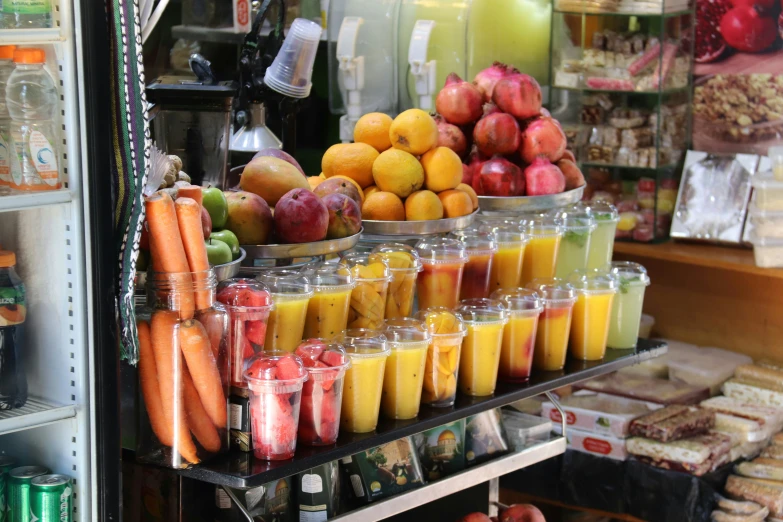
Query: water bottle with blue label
{"x":31,"y":97}
{"x":6,"y":146}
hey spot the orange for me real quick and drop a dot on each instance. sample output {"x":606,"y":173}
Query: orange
{"x":314,"y":181}
{"x":355,"y":161}
{"x":373,"y":129}
{"x":361,"y":192}
{"x":383,"y":206}
{"x":398,"y":172}
{"x":442,"y":169}
{"x":414,"y":131}
{"x":456,"y":203}
{"x":369,"y":190}
{"x":328,"y":159}
{"x":472,"y":193}
{"x":423,"y":205}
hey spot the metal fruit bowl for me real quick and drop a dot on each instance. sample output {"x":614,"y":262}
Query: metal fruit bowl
{"x":416,"y":228}
{"x":316,"y":248}
{"x":222,"y":272}
{"x":489,"y":204}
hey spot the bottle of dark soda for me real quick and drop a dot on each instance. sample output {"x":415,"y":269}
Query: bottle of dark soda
{"x":13,"y":310}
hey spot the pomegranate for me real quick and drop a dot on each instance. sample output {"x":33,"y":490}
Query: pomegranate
{"x":542,"y":137}
{"x":573,"y":176}
{"x":519,"y":95}
{"x":710,"y":45}
{"x":745,"y":29}
{"x":497,"y":177}
{"x":766,"y":7}
{"x":451,"y":136}
{"x":473,"y":162}
{"x":569,"y":156}
{"x":543,"y":178}
{"x":459,"y":101}
{"x":485,"y":80}
{"x":475,"y":517}
{"x":496,"y":133}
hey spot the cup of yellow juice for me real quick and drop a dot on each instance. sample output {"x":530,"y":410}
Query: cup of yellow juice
{"x":363,"y":383}
{"x":523,"y":307}
{"x":511,"y":240}
{"x":409,"y":341}
{"x":478,"y":367}
{"x":542,"y":249}
{"x":595,"y":293}
{"x":327,"y":311}
{"x":291,"y":294}
{"x":368,"y":298}
{"x":443,"y":264}
{"x":405,"y":265}
{"x":481,"y":249}
{"x":554,"y":323}
{"x":441,"y":369}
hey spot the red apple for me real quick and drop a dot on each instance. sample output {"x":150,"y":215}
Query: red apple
{"x":345,"y":216}
{"x":521,"y":513}
{"x":475,"y":517}
{"x":206,"y":223}
{"x":301,"y":217}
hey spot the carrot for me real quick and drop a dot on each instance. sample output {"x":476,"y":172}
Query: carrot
{"x":167,"y":250}
{"x":194,"y":343}
{"x":189,"y":219}
{"x":168,"y":360}
{"x":193,"y":192}
{"x":148,"y":375}
{"x":198,"y":420}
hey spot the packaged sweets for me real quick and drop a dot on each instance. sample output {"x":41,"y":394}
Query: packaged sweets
{"x":442,"y":450}
{"x":673,"y":422}
{"x":384,"y":470}
{"x":485,"y":438}
{"x":318,"y":492}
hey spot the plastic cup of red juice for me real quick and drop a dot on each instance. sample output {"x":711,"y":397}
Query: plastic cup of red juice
{"x":275,"y":380}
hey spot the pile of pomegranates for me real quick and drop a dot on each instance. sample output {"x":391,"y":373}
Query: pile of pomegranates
{"x":509,"y":144}
{"x":749,"y":26}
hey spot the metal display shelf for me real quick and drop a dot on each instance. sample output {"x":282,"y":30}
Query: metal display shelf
{"x":243,"y":470}
{"x":33,"y":414}
{"x":31,"y":36}
{"x":34,"y":200}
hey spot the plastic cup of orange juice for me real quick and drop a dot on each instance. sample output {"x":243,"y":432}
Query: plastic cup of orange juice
{"x":363,"y":385}
{"x":291,"y":295}
{"x":481,"y":249}
{"x":542,"y":250}
{"x":442,"y":367}
{"x":554,"y":323}
{"x":443,"y":264}
{"x":485,"y":320}
{"x":405,"y":265}
{"x":327,"y":310}
{"x":523,"y":307}
{"x":368,"y":298}
{"x":511,"y":240}
{"x":592,"y":313}
{"x":409,"y":341}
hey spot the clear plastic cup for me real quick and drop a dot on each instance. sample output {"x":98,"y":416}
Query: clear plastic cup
{"x":363,"y":380}
{"x":443,"y":264}
{"x":327,"y":310}
{"x":507,"y":267}
{"x":627,"y":307}
{"x":322,"y":394}
{"x":602,"y":241}
{"x":481,"y":249}
{"x":595,"y":293}
{"x":292,"y":69}
{"x":542,"y":249}
{"x":578,"y":225}
{"x":291,"y":294}
{"x":249,"y":304}
{"x":368,"y":298}
{"x":775,"y":155}
{"x":523,"y":307}
{"x":485,"y":320}
{"x":554,"y":323}
{"x":409,"y":341}
{"x":275,"y":381}
{"x":405,"y":265}
{"x":441,"y":369}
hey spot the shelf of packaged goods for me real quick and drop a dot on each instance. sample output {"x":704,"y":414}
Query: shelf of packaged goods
{"x":242,"y":470}
{"x":31,"y":36}
{"x":34,"y":200}
{"x":593,"y":165}
{"x":664,"y":92}
{"x":35,"y":413}
{"x":671,"y":13}
{"x":457,"y":482}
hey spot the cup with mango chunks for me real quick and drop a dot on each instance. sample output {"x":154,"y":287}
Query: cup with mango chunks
{"x":442,"y":365}
{"x":368,"y":299}
{"x":405,"y":265}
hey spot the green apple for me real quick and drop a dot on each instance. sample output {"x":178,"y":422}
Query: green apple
{"x":228,"y":238}
{"x":215,"y":202}
{"x":218,"y":253}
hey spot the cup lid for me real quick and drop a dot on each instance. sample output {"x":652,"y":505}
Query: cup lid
{"x":475,"y":241}
{"x":440,"y":321}
{"x":552,"y":289}
{"x":319,"y":356}
{"x":325,"y":274}
{"x":363,"y":343}
{"x":275,"y":367}
{"x":519,"y":299}
{"x":367,"y":266}
{"x":29,"y":55}
{"x":399,"y":256}
{"x":244,"y":293}
{"x":7,"y":259}
{"x":505,"y":230}
{"x":573,"y":218}
{"x":285,"y":282}
{"x":435,"y":249}
{"x":543,"y":226}
{"x":481,"y":310}
{"x":406,"y":332}
{"x":7,"y":52}
{"x":600,"y":210}
{"x":592,"y":281}
{"x":628,"y":273}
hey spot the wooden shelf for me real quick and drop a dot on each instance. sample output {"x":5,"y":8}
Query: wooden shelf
{"x":708,"y":256}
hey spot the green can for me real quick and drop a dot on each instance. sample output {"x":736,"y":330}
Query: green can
{"x":51,"y":499}
{"x":6,"y":464}
{"x":18,"y":488}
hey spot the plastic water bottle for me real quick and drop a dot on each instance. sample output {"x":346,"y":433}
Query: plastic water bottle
{"x":6,"y":146}
{"x":31,"y":97}
{"x":26,"y":14}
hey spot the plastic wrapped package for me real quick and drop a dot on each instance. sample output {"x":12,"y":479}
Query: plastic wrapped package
{"x":384,"y":470}
{"x":697,"y":455}
{"x":657,"y":391}
{"x":524,"y":430}
{"x":752,"y":392}
{"x":708,"y":367}
{"x":766,"y":377}
{"x":755,"y":491}
{"x":656,"y":368}
{"x":745,"y":450}
{"x":768,"y":193}
{"x":600,"y":445}
{"x":773,"y":452}
{"x":753,"y":423}
{"x":757,"y":470}
{"x":672,"y":423}
{"x":758,"y":516}
{"x":769,"y":363}
{"x":598,"y":413}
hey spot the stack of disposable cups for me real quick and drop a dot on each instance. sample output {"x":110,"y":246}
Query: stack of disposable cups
{"x":292,"y":69}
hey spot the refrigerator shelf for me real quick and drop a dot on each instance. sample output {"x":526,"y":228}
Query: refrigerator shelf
{"x":31,"y":36}
{"x":243,"y":470}
{"x":35,"y":413}
{"x":34,"y":200}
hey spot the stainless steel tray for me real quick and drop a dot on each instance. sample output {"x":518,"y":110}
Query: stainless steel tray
{"x":416,"y":228}
{"x":529,"y":203}
{"x":316,"y":248}
{"x":222,"y":272}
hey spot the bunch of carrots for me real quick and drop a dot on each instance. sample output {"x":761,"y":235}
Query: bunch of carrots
{"x":179,"y":348}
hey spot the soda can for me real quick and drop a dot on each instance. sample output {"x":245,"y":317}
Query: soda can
{"x":51,"y":499}
{"x":18,"y":487}
{"x":6,"y":464}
